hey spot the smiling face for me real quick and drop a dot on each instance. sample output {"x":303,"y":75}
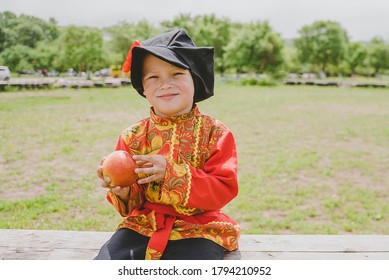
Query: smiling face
{"x":168,"y":88}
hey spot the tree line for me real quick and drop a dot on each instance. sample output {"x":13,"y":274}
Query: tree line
{"x":28,"y":43}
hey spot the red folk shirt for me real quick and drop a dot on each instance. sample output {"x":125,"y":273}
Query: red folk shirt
{"x":201,"y":178}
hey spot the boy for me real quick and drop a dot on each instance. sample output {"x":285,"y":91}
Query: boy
{"x":189,"y":160}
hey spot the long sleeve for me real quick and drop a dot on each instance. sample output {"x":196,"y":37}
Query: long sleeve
{"x":210,"y":188}
{"x":200,"y":179}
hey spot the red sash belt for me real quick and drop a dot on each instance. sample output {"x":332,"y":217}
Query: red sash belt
{"x":165,"y":217}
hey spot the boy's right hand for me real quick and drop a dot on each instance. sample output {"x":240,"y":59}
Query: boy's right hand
{"x":122,"y":192}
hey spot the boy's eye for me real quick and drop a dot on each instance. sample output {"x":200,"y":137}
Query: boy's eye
{"x":178,"y":73}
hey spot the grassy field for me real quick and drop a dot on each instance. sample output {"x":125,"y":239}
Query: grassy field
{"x":311,"y":160}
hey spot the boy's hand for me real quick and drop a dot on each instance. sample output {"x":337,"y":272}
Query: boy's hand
{"x":122,"y":192}
{"x":154,"y":166}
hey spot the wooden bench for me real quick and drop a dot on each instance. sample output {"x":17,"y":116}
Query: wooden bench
{"x":82,"y":245}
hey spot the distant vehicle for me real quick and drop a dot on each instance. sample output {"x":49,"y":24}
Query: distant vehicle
{"x":115,"y":71}
{"x":52,"y":73}
{"x":26,"y":72}
{"x":5,"y":74}
{"x":102,"y":72}
{"x":70,"y":72}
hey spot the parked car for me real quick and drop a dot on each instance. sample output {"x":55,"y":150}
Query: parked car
{"x":5,"y":74}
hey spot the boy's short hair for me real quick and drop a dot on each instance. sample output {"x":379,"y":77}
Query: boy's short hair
{"x":177,"y":48}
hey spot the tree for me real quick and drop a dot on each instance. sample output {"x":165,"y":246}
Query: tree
{"x":322,"y":43}
{"x":19,"y":36}
{"x":81,"y":48}
{"x":25,"y":30}
{"x":5,"y":22}
{"x":356,"y":56}
{"x":378,"y":55}
{"x":27,"y":34}
{"x":45,"y":55}
{"x":184,"y":21}
{"x":18,"y":58}
{"x":205,"y":30}
{"x":256,"y":47}
{"x":124,"y":34}
{"x":3,"y":35}
{"x":291,"y":61}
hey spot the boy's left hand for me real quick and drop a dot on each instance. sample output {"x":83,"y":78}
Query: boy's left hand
{"x":154,"y":166}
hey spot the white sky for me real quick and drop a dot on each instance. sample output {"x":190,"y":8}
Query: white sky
{"x":362,"y":19}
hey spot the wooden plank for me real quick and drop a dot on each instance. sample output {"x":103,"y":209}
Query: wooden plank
{"x":47,"y":254}
{"x":343,"y":243}
{"x":50,"y":244}
{"x":79,"y":245}
{"x":308,"y":256}
{"x":60,"y":239}
{"x":89,"y":254}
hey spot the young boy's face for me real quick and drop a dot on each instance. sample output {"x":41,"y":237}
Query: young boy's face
{"x":168,"y":88}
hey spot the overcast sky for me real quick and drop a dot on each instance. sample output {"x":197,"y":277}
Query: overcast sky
{"x":362,"y":19}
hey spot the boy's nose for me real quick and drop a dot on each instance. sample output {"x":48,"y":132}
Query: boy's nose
{"x":166,"y":83}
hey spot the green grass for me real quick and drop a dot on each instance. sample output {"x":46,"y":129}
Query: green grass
{"x":311,"y":160}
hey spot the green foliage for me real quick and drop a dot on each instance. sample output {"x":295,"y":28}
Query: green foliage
{"x":19,"y":36}
{"x":81,"y":48}
{"x":322,"y":43}
{"x":19,"y":57}
{"x":255,"y":48}
{"x":124,"y":34}
{"x":206,"y":30}
{"x":25,"y":30}
{"x":264,"y":81}
{"x":378,"y":54}
{"x":291,"y":60}
{"x":30,"y":43}
{"x":46,"y":55}
{"x":356,"y":56}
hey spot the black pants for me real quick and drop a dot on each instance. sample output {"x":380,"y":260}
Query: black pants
{"x":127,"y":244}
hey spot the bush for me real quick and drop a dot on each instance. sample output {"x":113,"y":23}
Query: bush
{"x":258,"y":82}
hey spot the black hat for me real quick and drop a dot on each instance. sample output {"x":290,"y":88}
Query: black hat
{"x":177,"y":48}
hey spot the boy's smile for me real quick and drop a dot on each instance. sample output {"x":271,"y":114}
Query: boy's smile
{"x":168,"y":88}
{"x":167,"y":96}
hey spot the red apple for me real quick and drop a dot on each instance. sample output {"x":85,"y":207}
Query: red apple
{"x":120,"y":166}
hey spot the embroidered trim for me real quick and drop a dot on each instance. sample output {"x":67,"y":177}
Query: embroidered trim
{"x":189,"y":178}
{"x":152,"y":254}
{"x":174,"y":142}
{"x":196,"y":152}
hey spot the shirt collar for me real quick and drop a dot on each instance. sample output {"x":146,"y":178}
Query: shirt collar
{"x":176,"y":119}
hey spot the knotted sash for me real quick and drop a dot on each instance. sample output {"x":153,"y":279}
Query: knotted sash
{"x":165,"y":216}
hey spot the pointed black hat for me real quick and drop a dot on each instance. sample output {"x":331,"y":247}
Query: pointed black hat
{"x":177,"y":48}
